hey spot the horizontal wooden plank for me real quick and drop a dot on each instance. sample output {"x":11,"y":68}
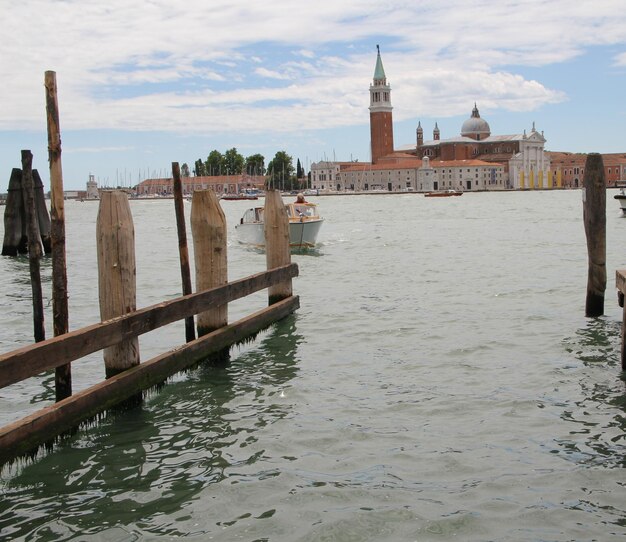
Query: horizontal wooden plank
{"x":620,"y":280}
{"x":33,"y":359}
{"x":26,"y":434}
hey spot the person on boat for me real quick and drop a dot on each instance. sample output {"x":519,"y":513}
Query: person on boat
{"x":300,"y":198}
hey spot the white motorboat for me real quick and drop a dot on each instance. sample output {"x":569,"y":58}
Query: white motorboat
{"x":304,"y":225}
{"x":621,"y":197}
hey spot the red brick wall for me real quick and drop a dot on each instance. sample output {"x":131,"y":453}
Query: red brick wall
{"x":381,"y":133}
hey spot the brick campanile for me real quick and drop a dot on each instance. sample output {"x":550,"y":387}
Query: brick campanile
{"x":381,"y":122}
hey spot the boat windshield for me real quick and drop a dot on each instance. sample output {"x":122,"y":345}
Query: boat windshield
{"x":253,"y":215}
{"x":305,"y":210}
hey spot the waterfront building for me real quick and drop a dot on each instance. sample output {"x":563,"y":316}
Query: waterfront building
{"x":325,"y":175}
{"x":406,"y":173}
{"x":523,"y":156}
{"x":390,"y":175}
{"x":467,"y":175}
{"x":221,"y":184}
{"x":570,"y":166}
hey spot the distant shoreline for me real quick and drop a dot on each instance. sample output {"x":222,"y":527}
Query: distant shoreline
{"x":362,"y":193}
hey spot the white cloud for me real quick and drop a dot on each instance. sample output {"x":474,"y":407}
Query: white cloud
{"x":270,"y":74}
{"x":620,"y":60}
{"x":438,"y":56}
{"x":306,"y":54}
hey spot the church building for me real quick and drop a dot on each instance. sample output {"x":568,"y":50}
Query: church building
{"x":526,"y":164}
{"x":473,"y":160}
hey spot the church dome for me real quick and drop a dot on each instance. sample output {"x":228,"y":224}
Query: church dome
{"x":475,"y":127}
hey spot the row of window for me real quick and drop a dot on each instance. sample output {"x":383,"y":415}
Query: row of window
{"x":581,"y":171}
{"x":475,"y":151}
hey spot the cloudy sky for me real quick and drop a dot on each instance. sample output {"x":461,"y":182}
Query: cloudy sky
{"x":143,"y":84}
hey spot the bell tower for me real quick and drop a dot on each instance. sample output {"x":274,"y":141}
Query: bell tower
{"x":381,"y":122}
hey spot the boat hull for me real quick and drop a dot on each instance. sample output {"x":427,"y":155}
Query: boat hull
{"x":445,"y":194}
{"x":301,"y":234}
{"x":622,"y":201}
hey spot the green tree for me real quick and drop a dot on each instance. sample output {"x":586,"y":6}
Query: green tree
{"x":299,"y":170}
{"x":255,"y":164}
{"x":280,"y":170}
{"x":184,"y":170}
{"x":199,"y":169}
{"x":214,"y":164}
{"x":233,"y":162}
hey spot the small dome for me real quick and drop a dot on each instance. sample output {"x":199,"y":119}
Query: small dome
{"x":475,"y":125}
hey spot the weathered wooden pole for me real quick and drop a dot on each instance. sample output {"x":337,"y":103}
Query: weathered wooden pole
{"x":34,"y":244}
{"x":15,"y":239}
{"x":594,"y":215}
{"x":623,"y":337}
{"x":43,"y":218}
{"x":620,"y":283}
{"x":183,"y":251}
{"x":208,"y":227}
{"x":60,"y":314}
{"x":277,"y":251}
{"x":117,"y":274}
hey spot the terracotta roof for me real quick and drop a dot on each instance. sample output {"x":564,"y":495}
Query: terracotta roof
{"x":396,"y":156}
{"x":579,"y":158}
{"x":463,"y":163}
{"x":399,"y":164}
{"x":500,"y":157}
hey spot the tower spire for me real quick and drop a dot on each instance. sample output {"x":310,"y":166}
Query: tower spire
{"x":379,"y":71}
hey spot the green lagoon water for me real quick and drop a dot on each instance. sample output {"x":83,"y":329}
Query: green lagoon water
{"x":439,"y":382}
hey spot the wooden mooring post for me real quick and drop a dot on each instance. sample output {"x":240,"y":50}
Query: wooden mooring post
{"x":183,"y":251}
{"x":60,"y":311}
{"x":620,"y":283}
{"x":594,"y":216}
{"x":117,"y":274}
{"x":208,"y":227}
{"x":15,"y":239}
{"x":15,"y":222}
{"x":277,"y":251}
{"x":34,"y":244}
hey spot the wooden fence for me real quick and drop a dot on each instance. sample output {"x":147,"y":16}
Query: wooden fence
{"x":126,"y":375}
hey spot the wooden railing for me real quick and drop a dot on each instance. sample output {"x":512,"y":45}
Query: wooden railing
{"x":26,"y":434}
